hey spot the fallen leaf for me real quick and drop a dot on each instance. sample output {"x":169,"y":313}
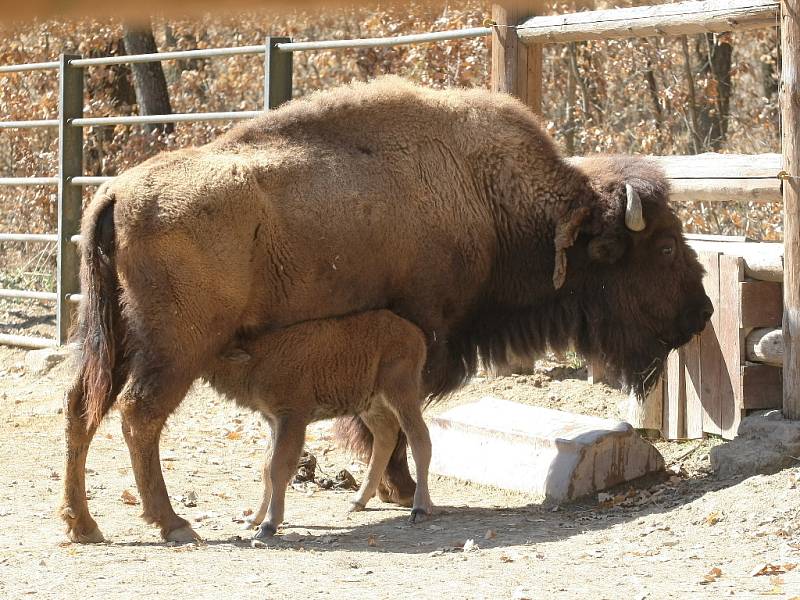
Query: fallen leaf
{"x":711,"y":576}
{"x":490,"y":534}
{"x":771,"y":569}
{"x":128,"y":498}
{"x":371,"y":541}
{"x":713,"y":518}
{"x":233,"y":435}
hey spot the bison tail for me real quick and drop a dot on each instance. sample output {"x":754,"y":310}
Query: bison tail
{"x":99,"y":313}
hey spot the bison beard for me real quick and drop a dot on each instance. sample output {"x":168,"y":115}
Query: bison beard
{"x":452,"y":209}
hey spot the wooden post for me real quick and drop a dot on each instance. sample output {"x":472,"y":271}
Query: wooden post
{"x":516,"y":68}
{"x":790,"y":145}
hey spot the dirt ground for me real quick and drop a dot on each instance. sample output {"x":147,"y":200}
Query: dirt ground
{"x":683,"y":535}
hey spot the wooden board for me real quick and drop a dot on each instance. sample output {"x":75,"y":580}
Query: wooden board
{"x":731,"y":341}
{"x":762,"y":387}
{"x":712,"y":366}
{"x":761,"y":304}
{"x":674,"y":422}
{"x":693,"y":389}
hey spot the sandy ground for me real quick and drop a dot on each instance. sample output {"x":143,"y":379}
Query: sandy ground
{"x":683,"y":535}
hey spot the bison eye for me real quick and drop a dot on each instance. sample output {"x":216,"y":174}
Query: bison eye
{"x":667,"y":250}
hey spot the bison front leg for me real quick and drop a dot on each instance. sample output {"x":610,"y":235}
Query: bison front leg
{"x":81,"y":527}
{"x":145,"y":404}
{"x":289,"y":436}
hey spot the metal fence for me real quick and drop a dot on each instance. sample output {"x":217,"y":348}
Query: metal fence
{"x":277,"y":52}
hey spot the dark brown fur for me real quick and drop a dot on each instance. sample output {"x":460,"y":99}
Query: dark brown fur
{"x":451,"y":209}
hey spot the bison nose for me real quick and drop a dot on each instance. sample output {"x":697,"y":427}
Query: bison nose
{"x":707,"y":311}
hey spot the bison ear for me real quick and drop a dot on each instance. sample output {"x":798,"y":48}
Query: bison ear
{"x":606,"y":248}
{"x":567,"y":230}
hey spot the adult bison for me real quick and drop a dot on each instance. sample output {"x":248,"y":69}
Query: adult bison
{"x":452,"y":209}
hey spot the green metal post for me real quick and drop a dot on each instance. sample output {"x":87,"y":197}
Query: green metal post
{"x":278,"y":77}
{"x":70,"y":164}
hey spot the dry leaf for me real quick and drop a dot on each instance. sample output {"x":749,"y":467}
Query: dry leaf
{"x":371,"y":541}
{"x":128,"y":498}
{"x":712,"y":576}
{"x":713,"y":518}
{"x":771,"y":569}
{"x":233,"y":435}
{"x":490,"y":534}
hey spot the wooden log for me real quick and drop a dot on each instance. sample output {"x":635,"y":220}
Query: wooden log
{"x":790,"y":147}
{"x":516,"y":69}
{"x":681,"y":18}
{"x":765,"y":345}
{"x":762,"y":260}
{"x":713,"y":177}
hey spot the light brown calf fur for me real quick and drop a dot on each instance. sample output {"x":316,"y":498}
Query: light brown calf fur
{"x":368,"y":365}
{"x":452,"y":209}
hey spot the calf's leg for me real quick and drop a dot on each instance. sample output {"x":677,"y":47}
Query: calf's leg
{"x":81,"y":527}
{"x":419,"y":439}
{"x":384,"y":428}
{"x":266,"y":478}
{"x":290,"y":434}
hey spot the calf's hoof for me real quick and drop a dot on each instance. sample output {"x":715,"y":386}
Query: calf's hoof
{"x":183,"y":535}
{"x":81,"y":531}
{"x":356,"y":506}
{"x":94,"y":536}
{"x":265,"y":532}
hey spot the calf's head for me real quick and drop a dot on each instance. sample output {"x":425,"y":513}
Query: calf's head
{"x":640,"y":285}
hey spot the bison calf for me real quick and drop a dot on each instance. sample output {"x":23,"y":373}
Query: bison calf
{"x":369,"y":364}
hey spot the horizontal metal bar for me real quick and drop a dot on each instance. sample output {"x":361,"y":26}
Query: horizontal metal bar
{"x":29,"y":67}
{"x":4,"y":293}
{"x":26,"y":341}
{"x":74,"y":298}
{"x":418,"y":38}
{"x":158,"y":56}
{"x":75,"y":239}
{"x":174,"y":118}
{"x":28,"y":237}
{"x":28,"y":180}
{"x":88,"y":180}
{"x":28,"y":124}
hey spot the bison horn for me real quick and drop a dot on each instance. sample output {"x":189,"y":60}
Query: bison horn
{"x":634,"y":219}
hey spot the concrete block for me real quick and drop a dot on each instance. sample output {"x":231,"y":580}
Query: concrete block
{"x":39,"y":362}
{"x":766,"y":442}
{"x":550,"y":453}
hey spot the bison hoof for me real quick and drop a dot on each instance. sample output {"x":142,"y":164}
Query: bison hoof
{"x":356,"y":506}
{"x":418,"y":515}
{"x":265,"y":532}
{"x":183,"y":535}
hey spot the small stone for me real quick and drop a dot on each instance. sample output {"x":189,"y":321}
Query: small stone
{"x":41,"y":361}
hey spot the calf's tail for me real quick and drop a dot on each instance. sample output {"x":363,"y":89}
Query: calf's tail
{"x":99,"y":335}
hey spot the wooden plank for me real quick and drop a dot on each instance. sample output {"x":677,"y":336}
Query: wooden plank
{"x":765,"y":346}
{"x":790,"y":148}
{"x":693,"y":391}
{"x":731,"y":274}
{"x":516,"y":69}
{"x":762,"y":260}
{"x":596,"y":372}
{"x":712,"y":365}
{"x":681,"y":18}
{"x":762,"y":387}
{"x":762,"y":304}
{"x":674,"y":421}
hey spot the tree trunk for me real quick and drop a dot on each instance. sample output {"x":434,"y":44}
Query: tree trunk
{"x":715,"y":52}
{"x":148,"y":78}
